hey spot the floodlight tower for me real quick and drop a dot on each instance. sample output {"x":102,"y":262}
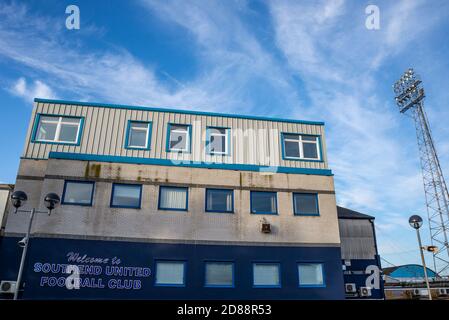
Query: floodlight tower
{"x":409,"y":98}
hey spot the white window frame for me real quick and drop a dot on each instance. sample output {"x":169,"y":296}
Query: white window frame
{"x":59,"y":124}
{"x":225,"y":135}
{"x":187,"y":132}
{"x":300,"y":142}
{"x":147,"y":129}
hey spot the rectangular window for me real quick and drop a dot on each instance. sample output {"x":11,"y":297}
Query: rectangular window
{"x":58,"y":129}
{"x":219,"y":200}
{"x":219,"y":274}
{"x":170,"y":273}
{"x":78,"y":193}
{"x":178,"y":138}
{"x":126,"y":195}
{"x":306,"y":204}
{"x":301,"y":147}
{"x":138,"y":135}
{"x":173,"y":198}
{"x":266,"y":275}
{"x":263,"y":202}
{"x":311,"y":275}
{"x":217,"y":141}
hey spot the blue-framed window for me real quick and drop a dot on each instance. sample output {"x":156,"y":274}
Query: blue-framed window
{"x":305,"y":204}
{"x":79,"y":193}
{"x":179,"y":137}
{"x":138,"y":135}
{"x":59,"y":129}
{"x":297,"y":146}
{"x":220,"y":200}
{"x":266,"y":275}
{"x":263,"y":202}
{"x":219,"y":274}
{"x":126,"y":195}
{"x":218,"y":141}
{"x":173,"y":198}
{"x":170,"y":273}
{"x":311,"y":274}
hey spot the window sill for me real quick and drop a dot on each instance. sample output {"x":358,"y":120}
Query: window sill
{"x":300,"y":159}
{"x":312,"y":286}
{"x":267,"y":213}
{"x":179,"y":151}
{"x":219,"y":286}
{"x":218,"y":211}
{"x":124,"y":207}
{"x":170,"y":209}
{"x":76,"y":204}
{"x":138,"y":148}
{"x":59,"y":143}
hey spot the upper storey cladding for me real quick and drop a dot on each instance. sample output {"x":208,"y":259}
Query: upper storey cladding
{"x":119,"y":133}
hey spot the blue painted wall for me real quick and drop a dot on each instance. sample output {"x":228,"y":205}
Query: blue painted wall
{"x":131,"y":254}
{"x":355,"y":273}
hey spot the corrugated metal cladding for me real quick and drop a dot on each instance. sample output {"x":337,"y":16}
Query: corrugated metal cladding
{"x":255,"y":142}
{"x":357,"y":239}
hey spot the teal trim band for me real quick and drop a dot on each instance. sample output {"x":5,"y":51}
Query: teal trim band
{"x":191,"y":164}
{"x":203,"y":113}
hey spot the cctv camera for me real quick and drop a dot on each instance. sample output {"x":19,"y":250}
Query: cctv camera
{"x":22,"y":243}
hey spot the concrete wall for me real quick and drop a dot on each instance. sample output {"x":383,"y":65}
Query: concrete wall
{"x":255,"y":142}
{"x":38,"y":177}
{"x":5,"y":191}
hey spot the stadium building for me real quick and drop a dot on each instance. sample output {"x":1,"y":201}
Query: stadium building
{"x":175,"y":204}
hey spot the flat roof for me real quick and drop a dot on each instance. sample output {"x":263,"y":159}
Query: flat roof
{"x":170,"y":110}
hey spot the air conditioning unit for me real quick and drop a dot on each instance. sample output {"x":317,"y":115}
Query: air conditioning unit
{"x":350,"y":288}
{"x":365,"y":291}
{"x":443,"y":291}
{"x":7,"y":286}
{"x":419,"y":292}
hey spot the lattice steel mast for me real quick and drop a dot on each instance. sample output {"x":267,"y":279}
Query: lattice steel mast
{"x":409,"y":98}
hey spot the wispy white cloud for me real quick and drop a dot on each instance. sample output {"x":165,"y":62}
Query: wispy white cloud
{"x":29,"y":91}
{"x":231,"y":61}
{"x":339,"y":60}
{"x":232,"y":58}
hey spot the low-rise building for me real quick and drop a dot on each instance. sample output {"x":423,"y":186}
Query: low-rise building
{"x":175,"y":204}
{"x":5,"y":192}
{"x":361,"y":260}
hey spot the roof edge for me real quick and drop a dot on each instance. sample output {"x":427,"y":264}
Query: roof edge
{"x":345,"y":213}
{"x":169,"y":110}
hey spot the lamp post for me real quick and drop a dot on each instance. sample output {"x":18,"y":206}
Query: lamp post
{"x":18,"y":198}
{"x":415,"y":222}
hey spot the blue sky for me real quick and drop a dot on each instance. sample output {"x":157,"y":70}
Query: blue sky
{"x":312,"y":60}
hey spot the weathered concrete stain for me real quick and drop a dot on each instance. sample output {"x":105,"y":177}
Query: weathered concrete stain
{"x":92,"y":170}
{"x":96,"y":168}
